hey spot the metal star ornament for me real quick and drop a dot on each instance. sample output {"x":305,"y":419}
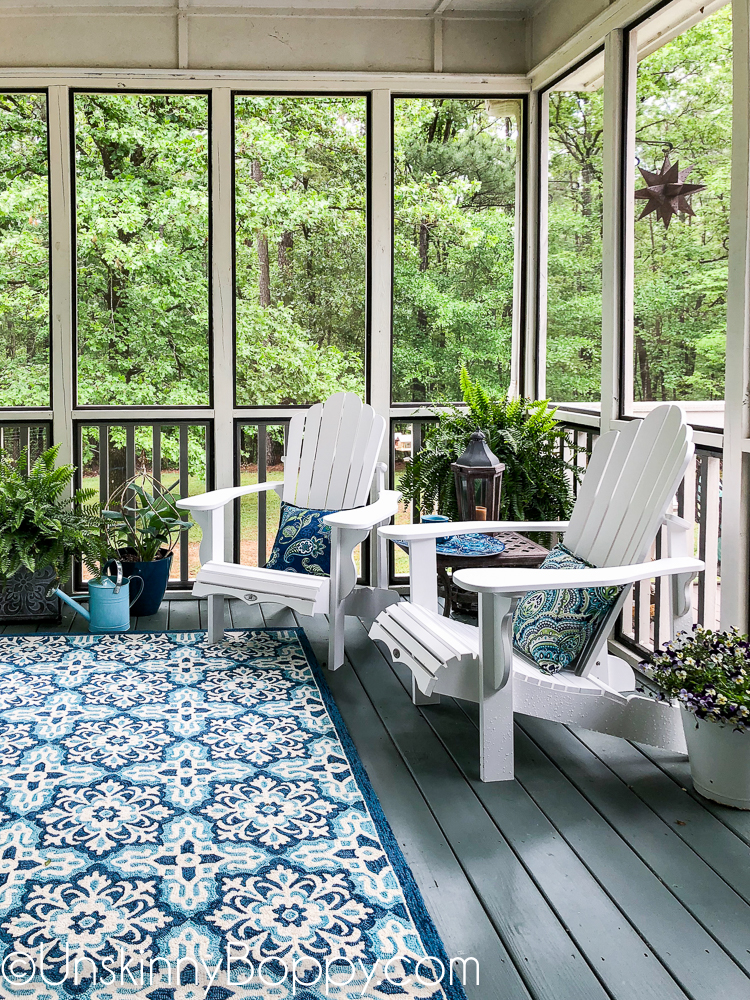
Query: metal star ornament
{"x":667,"y":193}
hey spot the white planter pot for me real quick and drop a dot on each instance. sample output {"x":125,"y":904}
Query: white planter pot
{"x":719,"y":761}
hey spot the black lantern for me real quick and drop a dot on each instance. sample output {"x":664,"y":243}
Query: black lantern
{"x":479,"y":475}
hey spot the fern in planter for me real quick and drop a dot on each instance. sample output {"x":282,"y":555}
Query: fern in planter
{"x":524,"y":434}
{"x":39,"y":528}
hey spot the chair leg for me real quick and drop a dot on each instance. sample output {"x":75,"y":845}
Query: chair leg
{"x":336,"y":638}
{"x":418,"y":698}
{"x":496,"y":687}
{"x":496,"y":735}
{"x":215,"y":617}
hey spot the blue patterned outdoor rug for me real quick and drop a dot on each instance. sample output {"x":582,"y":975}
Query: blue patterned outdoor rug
{"x":185,"y":821}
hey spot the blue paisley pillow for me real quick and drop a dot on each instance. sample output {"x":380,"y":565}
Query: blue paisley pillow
{"x":303,"y":542}
{"x":553,"y":627}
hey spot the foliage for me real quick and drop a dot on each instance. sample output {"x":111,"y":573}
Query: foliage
{"x":301,"y":238}
{"x":142,"y":241}
{"x":709,"y":672}
{"x":574,"y":268}
{"x":683,"y":105}
{"x":24,"y":251}
{"x":523,"y":434}
{"x":142,"y":517}
{"x":38,"y":526}
{"x":453,"y":254}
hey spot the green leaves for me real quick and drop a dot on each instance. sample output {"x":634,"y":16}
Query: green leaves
{"x":38,"y":528}
{"x":142,"y":515}
{"x":523,"y":434}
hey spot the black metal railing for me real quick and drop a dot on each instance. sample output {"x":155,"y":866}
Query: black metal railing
{"x":645,"y":621}
{"x":177,"y":453}
{"x":259,"y":447}
{"x":33,"y":436}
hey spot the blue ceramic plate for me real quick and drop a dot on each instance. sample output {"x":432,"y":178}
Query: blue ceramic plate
{"x":466,"y":545}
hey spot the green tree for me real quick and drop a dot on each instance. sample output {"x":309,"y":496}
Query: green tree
{"x":455,"y":171}
{"x":301,"y":239}
{"x":24,"y":251}
{"x":574,"y":263}
{"x":684,"y":108}
{"x":142,"y":239}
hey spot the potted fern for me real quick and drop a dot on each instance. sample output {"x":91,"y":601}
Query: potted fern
{"x":40,"y":532}
{"x":525,"y":436}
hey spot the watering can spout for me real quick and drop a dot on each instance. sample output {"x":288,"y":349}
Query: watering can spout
{"x":74,"y":604}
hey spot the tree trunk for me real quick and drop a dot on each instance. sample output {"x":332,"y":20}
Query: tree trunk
{"x":264,"y":270}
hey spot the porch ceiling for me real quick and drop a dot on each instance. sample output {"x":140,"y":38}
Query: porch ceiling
{"x":336,"y":8}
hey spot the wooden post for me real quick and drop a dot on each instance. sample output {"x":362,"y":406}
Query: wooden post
{"x":222,"y":264}
{"x":616,"y":168}
{"x":381,"y":214}
{"x":735,"y":564}
{"x":535,"y":360}
{"x":63,"y":272}
{"x":495,"y":688}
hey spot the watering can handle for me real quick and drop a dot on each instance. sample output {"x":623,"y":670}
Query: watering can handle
{"x":118,"y":567}
{"x":142,"y":583}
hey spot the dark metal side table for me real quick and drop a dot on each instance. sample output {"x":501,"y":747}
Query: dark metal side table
{"x":519,"y":552}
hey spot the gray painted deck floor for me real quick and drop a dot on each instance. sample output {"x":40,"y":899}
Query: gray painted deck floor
{"x":597,"y":873}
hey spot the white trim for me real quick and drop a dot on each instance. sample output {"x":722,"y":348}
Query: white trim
{"x":381,"y":257}
{"x":222,"y":287}
{"x":612,"y":155}
{"x":277,"y":80}
{"x":736,"y":487}
{"x":62,"y":265}
{"x":536,"y":302}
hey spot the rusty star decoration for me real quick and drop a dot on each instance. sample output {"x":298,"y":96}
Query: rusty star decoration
{"x":667,"y":193}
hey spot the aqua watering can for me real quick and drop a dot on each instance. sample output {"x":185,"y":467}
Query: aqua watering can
{"x":109,"y":600}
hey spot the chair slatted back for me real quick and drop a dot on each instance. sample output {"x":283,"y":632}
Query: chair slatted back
{"x":630,"y":480}
{"x":332,"y":450}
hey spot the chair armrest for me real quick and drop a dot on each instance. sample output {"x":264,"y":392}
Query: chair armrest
{"x":220,"y":498}
{"x":362,"y":518}
{"x":521,"y":581}
{"x":439,"y":529}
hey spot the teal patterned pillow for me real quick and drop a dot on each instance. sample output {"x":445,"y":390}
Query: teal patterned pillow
{"x":303,"y":542}
{"x":553,"y":627}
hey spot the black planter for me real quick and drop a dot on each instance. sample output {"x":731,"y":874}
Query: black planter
{"x":23,"y":598}
{"x":155,"y":576}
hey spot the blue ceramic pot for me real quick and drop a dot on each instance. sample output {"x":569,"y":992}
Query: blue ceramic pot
{"x":155,"y":576}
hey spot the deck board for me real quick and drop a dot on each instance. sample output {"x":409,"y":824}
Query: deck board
{"x":459,"y":914}
{"x":597,"y":874}
{"x":697,"y":840}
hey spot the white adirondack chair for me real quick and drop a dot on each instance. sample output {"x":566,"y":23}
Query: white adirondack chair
{"x":330,"y":463}
{"x":623,"y":500}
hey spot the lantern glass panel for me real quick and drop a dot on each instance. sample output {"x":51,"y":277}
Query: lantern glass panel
{"x":480,"y":492}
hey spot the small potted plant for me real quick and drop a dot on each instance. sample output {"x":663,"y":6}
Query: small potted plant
{"x":709,"y":674}
{"x":143,"y":527}
{"x":40,"y":532}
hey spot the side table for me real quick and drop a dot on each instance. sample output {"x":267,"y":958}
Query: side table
{"x":519,"y":552}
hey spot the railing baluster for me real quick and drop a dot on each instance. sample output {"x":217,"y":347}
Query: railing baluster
{"x":262,"y":446}
{"x":156,"y":452}
{"x":416,"y":446}
{"x":103,"y":463}
{"x":709,"y":537}
{"x":184,"y":488}
{"x":129,"y":451}
{"x":24,"y":429}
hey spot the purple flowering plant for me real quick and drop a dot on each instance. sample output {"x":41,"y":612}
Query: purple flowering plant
{"x":708,"y":672}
